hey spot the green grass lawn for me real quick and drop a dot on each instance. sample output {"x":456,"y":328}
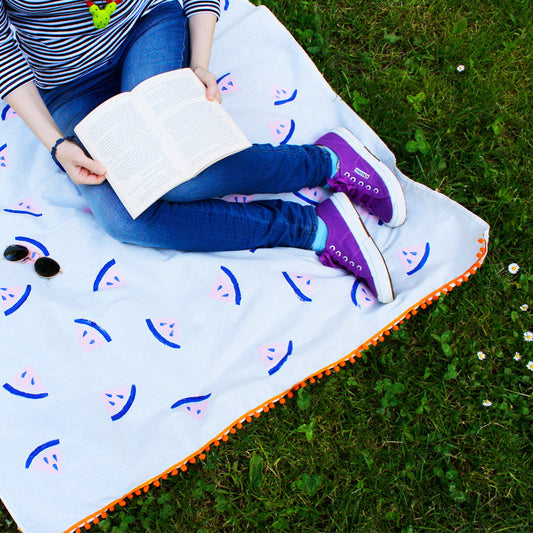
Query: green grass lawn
{"x":401,"y":440}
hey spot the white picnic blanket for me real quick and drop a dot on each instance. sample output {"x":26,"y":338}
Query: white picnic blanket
{"x":133,"y":360}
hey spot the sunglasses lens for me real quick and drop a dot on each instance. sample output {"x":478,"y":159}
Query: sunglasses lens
{"x":16,"y":252}
{"x":46,"y":267}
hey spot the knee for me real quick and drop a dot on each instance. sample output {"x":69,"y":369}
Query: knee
{"x":120,"y":228}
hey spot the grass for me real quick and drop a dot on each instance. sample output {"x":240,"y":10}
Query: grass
{"x":400,"y":440}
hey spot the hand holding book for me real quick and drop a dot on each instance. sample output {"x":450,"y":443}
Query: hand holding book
{"x":162,"y":133}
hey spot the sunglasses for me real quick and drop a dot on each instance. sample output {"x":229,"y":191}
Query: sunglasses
{"x":45,"y":267}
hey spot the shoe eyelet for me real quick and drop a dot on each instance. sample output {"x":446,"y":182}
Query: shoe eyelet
{"x":352,"y":179}
{"x":346,"y":174}
{"x":332,"y":248}
{"x":376,"y":190}
{"x":359,"y":267}
{"x":345,"y":259}
{"x":338,"y":253}
{"x":368,"y":187}
{"x":352,"y":263}
{"x":361,"y":184}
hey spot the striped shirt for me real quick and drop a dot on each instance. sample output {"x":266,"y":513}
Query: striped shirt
{"x":52,"y":42}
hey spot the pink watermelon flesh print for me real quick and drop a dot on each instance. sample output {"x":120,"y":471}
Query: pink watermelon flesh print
{"x":313,"y":196}
{"x":108,"y":277}
{"x":119,"y":401}
{"x":302,"y":285}
{"x":275,"y":355}
{"x":193,"y":405}
{"x":26,"y":384}
{"x":24,"y":207}
{"x":227,"y":84}
{"x":45,"y":458}
{"x":238,"y":198}
{"x":282,"y":131}
{"x":361,"y":295}
{"x":12,"y":298}
{"x":414,"y":258}
{"x":226,"y":287}
{"x":283,"y":96}
{"x":91,"y":335}
{"x":165,"y":331}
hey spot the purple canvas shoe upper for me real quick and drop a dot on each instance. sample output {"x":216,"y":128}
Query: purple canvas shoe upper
{"x":367,"y":185}
{"x":342,"y":250}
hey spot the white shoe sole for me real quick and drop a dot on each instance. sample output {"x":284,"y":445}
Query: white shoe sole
{"x":399,"y":211}
{"x":371,"y":253}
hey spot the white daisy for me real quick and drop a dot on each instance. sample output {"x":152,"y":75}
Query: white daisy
{"x":513,"y":268}
{"x":460,"y":68}
{"x":481,"y":356}
{"x":528,"y":336}
{"x":524,"y":307}
{"x":487,"y":403}
{"x":530,"y":365}
{"x":517,"y":356}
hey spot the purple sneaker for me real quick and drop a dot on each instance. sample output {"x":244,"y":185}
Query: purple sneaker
{"x":364,"y":178}
{"x":349,"y":246}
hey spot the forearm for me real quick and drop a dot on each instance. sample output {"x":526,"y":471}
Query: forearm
{"x":28,"y":104}
{"x":202,"y":29}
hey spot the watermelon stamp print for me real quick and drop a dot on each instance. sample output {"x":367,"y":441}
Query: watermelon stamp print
{"x":313,"y":196}
{"x":119,"y":401}
{"x":275,"y":355}
{"x":12,"y":298}
{"x":37,"y":249}
{"x":3,"y":156}
{"x":26,"y":384}
{"x":282,"y":131}
{"x":238,"y":198}
{"x":195,"y":406}
{"x":226,"y":287}
{"x":165,"y":331}
{"x":282,"y":96}
{"x":361,"y":295}
{"x":45,"y":458}
{"x":302,"y":285}
{"x":91,"y":335}
{"x":8,"y":112}
{"x":227,"y":84}
{"x":414,"y":258}
{"x":24,"y":207}
{"x":108,"y":277}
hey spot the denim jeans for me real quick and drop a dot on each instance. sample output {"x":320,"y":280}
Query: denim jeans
{"x":191,"y":217}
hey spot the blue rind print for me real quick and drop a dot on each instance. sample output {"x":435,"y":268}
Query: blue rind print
{"x":95,"y":326}
{"x":29,"y":395}
{"x":190,"y":399}
{"x":127,"y":405}
{"x":422,"y":261}
{"x":281,"y":362}
{"x":158,"y":335}
{"x":39,"y":449}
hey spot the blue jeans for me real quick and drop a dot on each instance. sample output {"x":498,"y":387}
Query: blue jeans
{"x":190,"y":217}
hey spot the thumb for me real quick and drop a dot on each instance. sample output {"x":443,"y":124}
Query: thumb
{"x":94,"y":167}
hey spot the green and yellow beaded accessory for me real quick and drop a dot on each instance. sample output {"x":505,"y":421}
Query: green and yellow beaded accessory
{"x":101,"y":15}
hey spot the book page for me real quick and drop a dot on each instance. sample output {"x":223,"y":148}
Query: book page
{"x":203,"y":132}
{"x":139,"y":167}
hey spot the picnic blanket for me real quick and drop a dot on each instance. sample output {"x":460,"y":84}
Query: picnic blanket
{"x":134,"y":361}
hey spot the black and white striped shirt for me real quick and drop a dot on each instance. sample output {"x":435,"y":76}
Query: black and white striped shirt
{"x":55,"y":41}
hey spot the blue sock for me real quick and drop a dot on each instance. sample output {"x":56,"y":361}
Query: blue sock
{"x":334,"y":160}
{"x":321,"y":235}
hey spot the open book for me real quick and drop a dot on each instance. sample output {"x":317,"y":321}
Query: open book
{"x":157,"y":136}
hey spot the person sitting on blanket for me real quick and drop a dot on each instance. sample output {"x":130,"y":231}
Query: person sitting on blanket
{"x":57,"y":67}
